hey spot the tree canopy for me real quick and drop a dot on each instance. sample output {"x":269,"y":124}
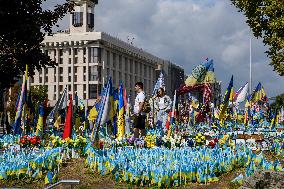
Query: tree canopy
{"x":266,"y":20}
{"x":279,"y":102}
{"x":23,"y":25}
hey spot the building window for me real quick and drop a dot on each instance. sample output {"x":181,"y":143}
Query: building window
{"x":69,"y":78}
{"x":54,"y":96}
{"x":126,"y":65}
{"x":120,"y":62}
{"x":69,"y":50}
{"x":90,"y":20}
{"x":70,"y":61}
{"x":46,"y":71}
{"x":75,"y":69}
{"x":136,"y":67}
{"x":93,"y":73}
{"x":84,"y":88}
{"x":76,"y":60}
{"x":61,"y":52}
{"x":108,"y":58}
{"x":114,"y":77}
{"x":84,"y":51}
{"x":131,"y":65}
{"x":75,"y":78}
{"x":84,"y":77}
{"x":125,"y":80}
{"x":84,"y":69}
{"x":84,"y":59}
{"x":69,"y":70}
{"x":60,"y":60}
{"x":40,"y":79}
{"x":108,"y":72}
{"x":131,"y":81}
{"x":94,"y":55}
{"x":114,"y":60}
{"x":120,"y":76}
{"x":54,"y":88}
{"x":75,"y":51}
{"x":93,"y":89}
{"x":145,"y":71}
{"x":75,"y":87}
{"x":54,"y":52}
{"x":32,"y":79}
{"x":46,"y":78}
{"x":61,"y":79}
{"x":99,"y":76}
{"x":60,"y":88}
{"x":60,"y":70}
{"x":77,"y":19}
{"x":69,"y":87}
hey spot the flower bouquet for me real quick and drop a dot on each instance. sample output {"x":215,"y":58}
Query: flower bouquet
{"x":27,"y":141}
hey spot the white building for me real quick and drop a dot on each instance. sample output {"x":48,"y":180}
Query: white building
{"x":85,"y":58}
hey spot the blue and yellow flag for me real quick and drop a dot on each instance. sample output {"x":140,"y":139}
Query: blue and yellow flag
{"x":94,"y":112}
{"x":258,"y":94}
{"x":50,"y":178}
{"x":121,"y":118}
{"x":39,"y":127}
{"x":228,"y":96}
{"x":203,"y":73}
{"x":20,"y":104}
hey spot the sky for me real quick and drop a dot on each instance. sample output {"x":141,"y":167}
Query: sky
{"x":187,"y":31}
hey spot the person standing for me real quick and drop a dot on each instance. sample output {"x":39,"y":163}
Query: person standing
{"x":139,"y":115}
{"x":162,"y":105}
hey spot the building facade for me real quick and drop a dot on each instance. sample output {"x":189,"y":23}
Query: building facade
{"x":86,"y":58}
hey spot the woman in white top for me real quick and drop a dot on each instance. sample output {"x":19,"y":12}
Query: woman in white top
{"x":162,"y":105}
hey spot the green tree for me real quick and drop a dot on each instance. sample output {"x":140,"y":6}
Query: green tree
{"x":23,"y":25}
{"x":12,"y":97}
{"x":38,"y":95}
{"x":266,"y":19}
{"x":279,"y":102}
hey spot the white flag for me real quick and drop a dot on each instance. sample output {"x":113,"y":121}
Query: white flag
{"x":242,"y":93}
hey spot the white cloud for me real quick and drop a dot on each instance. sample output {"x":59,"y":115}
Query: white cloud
{"x":184,"y":31}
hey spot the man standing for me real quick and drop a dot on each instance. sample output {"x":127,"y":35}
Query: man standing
{"x":140,"y":116}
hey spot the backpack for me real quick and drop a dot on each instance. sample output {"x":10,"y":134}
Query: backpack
{"x":146,"y":107}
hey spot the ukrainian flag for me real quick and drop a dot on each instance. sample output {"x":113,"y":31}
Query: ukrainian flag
{"x":94,"y":112}
{"x":121,"y":119}
{"x":39,"y":127}
{"x":203,"y":73}
{"x":49,"y":178}
{"x":58,"y":121}
{"x":20,"y":104}
{"x":227,"y":97}
{"x":258,"y":94}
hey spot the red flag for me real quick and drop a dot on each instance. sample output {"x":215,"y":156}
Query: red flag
{"x":68,"y":121}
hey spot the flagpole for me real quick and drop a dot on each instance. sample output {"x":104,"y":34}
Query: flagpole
{"x":250,"y":71}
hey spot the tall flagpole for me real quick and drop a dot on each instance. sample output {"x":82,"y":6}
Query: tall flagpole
{"x":250,"y":72}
